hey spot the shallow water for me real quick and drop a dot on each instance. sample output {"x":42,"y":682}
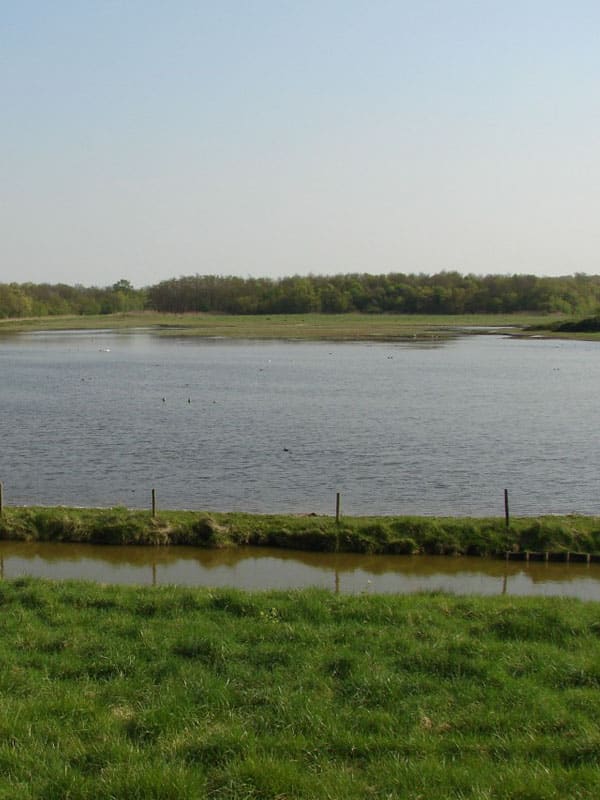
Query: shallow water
{"x":268,"y":568}
{"x":100,"y":418}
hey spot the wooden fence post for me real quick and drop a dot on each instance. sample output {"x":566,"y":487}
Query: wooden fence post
{"x":337,"y":506}
{"x":153,"y":502}
{"x":1,"y":497}
{"x":506,"y":513}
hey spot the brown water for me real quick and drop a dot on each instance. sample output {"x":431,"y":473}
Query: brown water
{"x":267,"y":568}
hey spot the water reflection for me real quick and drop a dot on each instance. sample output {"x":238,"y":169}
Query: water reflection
{"x":267,"y":568}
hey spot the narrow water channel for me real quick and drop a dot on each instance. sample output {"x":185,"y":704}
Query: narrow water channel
{"x":268,"y":568}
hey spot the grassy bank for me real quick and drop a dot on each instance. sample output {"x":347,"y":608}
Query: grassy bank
{"x":114,"y":692}
{"x":332,"y":327}
{"x":401,"y":535}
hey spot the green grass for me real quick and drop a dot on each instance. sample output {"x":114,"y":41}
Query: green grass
{"x":333,"y":327}
{"x":114,"y":692}
{"x":400,"y":535}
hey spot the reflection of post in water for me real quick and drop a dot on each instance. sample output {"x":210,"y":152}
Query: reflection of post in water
{"x":1,"y":567}
{"x":504,"y":582}
{"x":154,"y":573}
{"x":337,"y":575}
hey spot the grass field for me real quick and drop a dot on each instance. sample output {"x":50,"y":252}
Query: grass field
{"x":138,"y":693}
{"x":332,"y":327}
{"x":400,"y":535}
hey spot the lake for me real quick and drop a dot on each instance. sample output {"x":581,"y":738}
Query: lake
{"x":268,"y":568}
{"x":437,"y":428}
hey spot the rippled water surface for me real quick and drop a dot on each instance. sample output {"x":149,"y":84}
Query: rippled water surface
{"x":97,"y":418}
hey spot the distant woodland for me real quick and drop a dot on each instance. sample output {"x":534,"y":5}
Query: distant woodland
{"x":444,"y":293}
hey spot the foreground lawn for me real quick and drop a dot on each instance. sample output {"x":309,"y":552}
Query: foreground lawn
{"x":114,"y":692}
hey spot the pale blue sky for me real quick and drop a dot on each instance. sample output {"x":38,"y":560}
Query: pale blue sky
{"x":147,"y":139}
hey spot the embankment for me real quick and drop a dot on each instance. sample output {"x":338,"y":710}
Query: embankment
{"x":401,"y":535}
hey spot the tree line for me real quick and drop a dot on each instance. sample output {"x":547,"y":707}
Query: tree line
{"x":443,"y":293}
{"x":46,"y":300}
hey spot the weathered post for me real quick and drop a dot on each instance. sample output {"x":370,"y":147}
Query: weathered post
{"x":1,"y":497}
{"x":153,"y":502}
{"x":506,"y":512}
{"x":338,"y":497}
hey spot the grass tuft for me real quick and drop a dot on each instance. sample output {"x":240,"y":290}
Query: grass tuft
{"x":395,"y":535}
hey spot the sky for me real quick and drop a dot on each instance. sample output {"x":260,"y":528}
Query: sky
{"x":146,"y":140}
